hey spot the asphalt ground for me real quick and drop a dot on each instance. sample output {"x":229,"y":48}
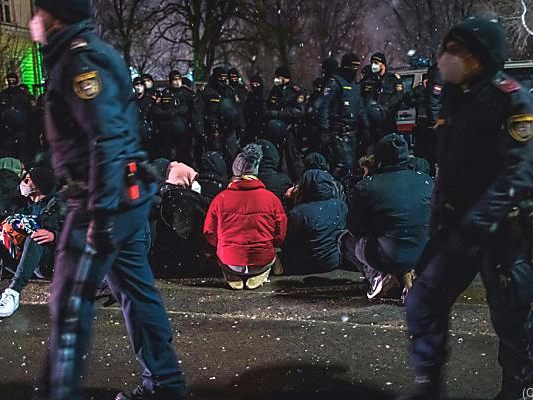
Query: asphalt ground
{"x":314,"y":337}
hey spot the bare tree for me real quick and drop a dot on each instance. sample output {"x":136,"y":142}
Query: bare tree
{"x":12,"y":49}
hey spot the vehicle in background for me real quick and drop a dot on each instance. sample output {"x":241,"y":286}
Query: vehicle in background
{"x":522,"y":71}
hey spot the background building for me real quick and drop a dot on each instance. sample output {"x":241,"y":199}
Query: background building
{"x":17,"y":51}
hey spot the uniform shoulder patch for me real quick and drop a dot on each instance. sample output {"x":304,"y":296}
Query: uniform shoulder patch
{"x":88,"y":85}
{"x":507,"y":85}
{"x":520,"y":127}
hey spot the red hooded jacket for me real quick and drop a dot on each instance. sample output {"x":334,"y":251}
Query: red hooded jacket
{"x":245,"y":223}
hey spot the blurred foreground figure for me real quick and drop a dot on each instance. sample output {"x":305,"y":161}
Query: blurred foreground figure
{"x":92,"y":126}
{"x":481,"y":217}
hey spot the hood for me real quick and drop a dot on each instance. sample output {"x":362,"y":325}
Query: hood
{"x":317,"y":185}
{"x":180,"y":174}
{"x":315,"y":161}
{"x":391,"y":150}
{"x":213,"y":163}
{"x":270,"y":159}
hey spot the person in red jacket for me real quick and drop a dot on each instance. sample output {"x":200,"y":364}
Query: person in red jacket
{"x":246,"y":223}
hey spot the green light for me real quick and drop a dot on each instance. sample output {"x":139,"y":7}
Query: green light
{"x":31,"y":70}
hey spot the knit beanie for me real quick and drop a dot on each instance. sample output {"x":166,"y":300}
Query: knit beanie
{"x":247,"y":162}
{"x":484,"y":38}
{"x":43,"y":179}
{"x":379,"y":57}
{"x":180,"y":174}
{"x":283,"y":72}
{"x":68,"y":11}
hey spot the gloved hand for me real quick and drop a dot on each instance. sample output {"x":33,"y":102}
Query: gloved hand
{"x":100,"y":235}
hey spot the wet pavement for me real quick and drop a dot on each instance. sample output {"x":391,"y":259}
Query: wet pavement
{"x":312,"y":337}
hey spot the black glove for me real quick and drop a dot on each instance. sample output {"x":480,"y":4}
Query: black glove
{"x":100,"y":235}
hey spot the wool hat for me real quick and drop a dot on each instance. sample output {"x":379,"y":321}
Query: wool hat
{"x":43,"y":179}
{"x":484,"y":38}
{"x":380,"y":57}
{"x":350,"y":60}
{"x":13,"y":165}
{"x":284,"y":72}
{"x":330,"y":66}
{"x":68,"y":11}
{"x":247,"y":162}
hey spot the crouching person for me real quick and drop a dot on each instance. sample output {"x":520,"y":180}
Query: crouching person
{"x":314,"y":225}
{"x":245,"y":223}
{"x":389,"y":217}
{"x":31,"y":235}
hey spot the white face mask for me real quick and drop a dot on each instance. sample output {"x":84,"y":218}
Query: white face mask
{"x":37,"y":29}
{"x":196,"y":187}
{"x":375,"y":68}
{"x":278,"y":81}
{"x":452,"y":68}
{"x":25,"y":189}
{"x":139,"y":89}
{"x":149,"y":84}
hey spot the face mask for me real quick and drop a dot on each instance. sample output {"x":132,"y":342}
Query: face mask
{"x":11,"y":82}
{"x":375,"y":68}
{"x":278,"y":81}
{"x":452,"y":68}
{"x":139,"y":89}
{"x":148,"y":84}
{"x":25,"y":189}
{"x":37,"y":29}
{"x":196,"y":187}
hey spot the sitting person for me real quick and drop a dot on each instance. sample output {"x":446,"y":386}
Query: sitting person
{"x":11,"y":172}
{"x":180,"y":241}
{"x":314,"y":226}
{"x":275,"y":181}
{"x":41,"y":219}
{"x":212,"y":174}
{"x":245,"y":223}
{"x":389,"y":217}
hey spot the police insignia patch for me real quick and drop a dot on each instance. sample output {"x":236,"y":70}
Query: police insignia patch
{"x":300,"y":99}
{"x":520,"y":127}
{"x":88,"y":85}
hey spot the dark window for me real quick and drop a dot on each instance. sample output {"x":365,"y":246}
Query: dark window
{"x":6,"y":11}
{"x":408,"y":81}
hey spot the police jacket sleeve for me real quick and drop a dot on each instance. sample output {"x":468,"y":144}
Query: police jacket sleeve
{"x":515,"y":179}
{"x":199,"y":110}
{"x":324,"y":108}
{"x":99,"y":102}
{"x":280,"y":225}
{"x":359,"y":207}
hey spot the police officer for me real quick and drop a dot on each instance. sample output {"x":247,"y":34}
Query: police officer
{"x":92,"y":128}
{"x":146,"y":105}
{"x":15,"y":112}
{"x":390,"y":89}
{"x":425,"y":98}
{"x":342,"y":118}
{"x":311,"y":114}
{"x":481,"y":217}
{"x":284,"y":112}
{"x":173,"y":114}
{"x":149,"y":83}
{"x":217,"y":117}
{"x":253,"y":110}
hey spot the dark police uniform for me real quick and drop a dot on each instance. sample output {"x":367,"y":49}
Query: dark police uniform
{"x":15,"y":113}
{"x":390,"y":97}
{"x":343,"y":121}
{"x":284,"y":112}
{"x":92,"y":127}
{"x":173,"y":114}
{"x":217,"y":118}
{"x":480,"y":224}
{"x":425,"y":98}
{"x":146,"y":106}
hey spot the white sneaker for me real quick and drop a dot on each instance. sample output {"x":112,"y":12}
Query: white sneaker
{"x":9,"y":303}
{"x":381,"y":285}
